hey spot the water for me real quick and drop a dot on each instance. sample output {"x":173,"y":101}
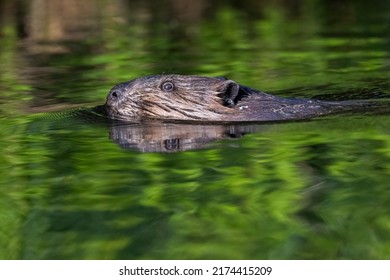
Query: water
{"x":79,"y":189}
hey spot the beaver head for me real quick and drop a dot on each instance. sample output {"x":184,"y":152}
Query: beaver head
{"x":173,"y":97}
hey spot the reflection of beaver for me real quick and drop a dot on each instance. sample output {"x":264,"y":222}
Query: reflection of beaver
{"x":174,"y":137}
{"x":194,"y":98}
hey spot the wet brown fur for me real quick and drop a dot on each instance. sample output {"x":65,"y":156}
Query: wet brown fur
{"x":195,"y":98}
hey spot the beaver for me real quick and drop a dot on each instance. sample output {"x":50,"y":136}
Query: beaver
{"x":172,"y":97}
{"x":156,"y":136}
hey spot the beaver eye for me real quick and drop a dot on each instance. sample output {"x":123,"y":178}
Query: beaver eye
{"x":167,"y":86}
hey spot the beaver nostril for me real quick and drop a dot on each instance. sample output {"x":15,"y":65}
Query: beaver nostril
{"x":116,"y":94}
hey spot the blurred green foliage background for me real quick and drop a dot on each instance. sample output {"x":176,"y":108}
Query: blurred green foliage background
{"x":306,"y":190}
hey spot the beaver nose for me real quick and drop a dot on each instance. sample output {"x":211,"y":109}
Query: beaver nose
{"x":118,"y":92}
{"x":115,"y":94}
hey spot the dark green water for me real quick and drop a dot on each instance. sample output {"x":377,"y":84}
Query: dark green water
{"x":74,"y":189}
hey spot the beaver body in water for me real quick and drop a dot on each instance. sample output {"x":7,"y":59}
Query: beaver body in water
{"x":195,"y":98}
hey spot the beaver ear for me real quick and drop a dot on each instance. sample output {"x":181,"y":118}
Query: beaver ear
{"x":228,"y":91}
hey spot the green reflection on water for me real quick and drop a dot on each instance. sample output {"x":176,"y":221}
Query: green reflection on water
{"x":315,"y":190}
{"x":278,"y":194}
